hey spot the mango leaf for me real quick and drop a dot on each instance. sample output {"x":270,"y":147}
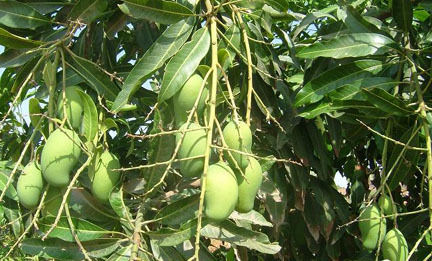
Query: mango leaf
{"x":11,"y":191}
{"x":61,"y":250}
{"x":123,"y":254}
{"x":402,"y":11}
{"x":90,"y":119}
{"x":252,"y":217}
{"x":13,"y":216}
{"x":159,"y":11}
{"x":228,"y":231}
{"x":15,"y":14}
{"x":118,"y":205}
{"x":16,"y":42}
{"x":313,"y":110}
{"x":89,"y":208}
{"x":86,"y":11}
{"x":387,"y":102}
{"x":332,"y":79}
{"x":351,"y":45}
{"x":161,"y":50}
{"x":179,"y":211}
{"x":84,"y":229}
{"x":15,"y":58}
{"x":184,"y":64}
{"x":310,"y":18}
{"x":46,"y":7}
{"x":352,"y":91}
{"x":34,"y":108}
{"x":172,"y":237}
{"x":97,"y":79}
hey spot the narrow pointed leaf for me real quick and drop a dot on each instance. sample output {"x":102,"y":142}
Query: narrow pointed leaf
{"x":402,"y":11}
{"x":179,"y":211}
{"x":165,"y":46}
{"x":184,"y":63}
{"x":90,"y":118}
{"x":15,"y":58}
{"x":387,"y":102}
{"x":351,"y":45}
{"x":11,"y":191}
{"x":353,"y":91}
{"x":86,"y":11}
{"x":16,"y":42}
{"x":332,"y":79}
{"x":19,"y":15}
{"x":160,"y":11}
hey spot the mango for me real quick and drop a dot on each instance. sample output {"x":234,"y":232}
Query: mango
{"x":373,"y":228}
{"x":74,"y":107}
{"x":53,"y":200}
{"x":30,"y":185}
{"x":194,"y":144}
{"x":59,"y":156}
{"x":386,"y":205}
{"x":221,"y":194}
{"x":248,"y":185}
{"x":185,"y":98}
{"x":238,"y":137}
{"x":394,"y":246}
{"x":104,"y":177}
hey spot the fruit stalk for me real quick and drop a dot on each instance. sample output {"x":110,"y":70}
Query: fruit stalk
{"x":213,"y":89}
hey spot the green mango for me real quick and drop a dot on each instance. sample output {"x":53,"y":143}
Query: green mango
{"x":185,"y":98}
{"x":248,"y":185}
{"x":59,"y":156}
{"x":53,"y":200}
{"x":74,"y":106}
{"x":394,"y":246}
{"x":30,"y":185}
{"x":373,"y":228}
{"x":238,"y":137}
{"x":221,"y":194}
{"x":386,"y":205}
{"x":104,"y":177}
{"x":194,"y":144}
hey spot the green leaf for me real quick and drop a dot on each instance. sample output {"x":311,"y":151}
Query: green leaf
{"x":46,"y":7}
{"x":90,"y":119}
{"x":402,"y":11}
{"x":18,"y":15}
{"x":228,"y":231}
{"x":172,"y":237}
{"x":97,"y":79}
{"x":351,"y":45}
{"x":123,"y":254}
{"x":387,"y":102}
{"x":84,"y":229}
{"x":332,"y":79}
{"x":23,"y":73}
{"x":252,"y":217}
{"x":310,"y":18}
{"x":61,"y":250}
{"x":159,"y":11}
{"x":15,"y":58}
{"x":118,"y":205}
{"x":89,"y":208}
{"x":87,"y":11}
{"x":184,"y":63}
{"x":14,"y":217}
{"x":161,"y":50}
{"x":34,"y":108}
{"x":353,"y":91}
{"x":179,"y":211}
{"x":314,"y":110}
{"x":11,"y":191}
{"x":16,"y":42}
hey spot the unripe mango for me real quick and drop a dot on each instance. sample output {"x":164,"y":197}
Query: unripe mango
{"x":74,"y":107}
{"x":394,"y":246}
{"x":185,"y":98}
{"x":221,"y":192}
{"x":59,"y":156}
{"x":194,"y":144}
{"x":373,"y":227}
{"x":386,"y":205}
{"x":248,"y":185}
{"x":104,"y":176}
{"x":30,"y":185}
{"x":238,"y":137}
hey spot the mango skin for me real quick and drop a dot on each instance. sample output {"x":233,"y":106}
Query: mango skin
{"x":221,"y":194}
{"x":386,"y":205}
{"x":248,"y":186}
{"x":104,"y":177}
{"x":74,"y":106}
{"x":371,"y":229}
{"x":394,"y":246}
{"x":184,"y":99}
{"x":238,"y":137}
{"x":194,"y":144}
{"x":59,"y":156}
{"x":30,"y":185}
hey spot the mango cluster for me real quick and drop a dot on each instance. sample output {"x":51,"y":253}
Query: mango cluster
{"x":60,"y":156}
{"x":230,"y":185}
{"x":373,"y":229}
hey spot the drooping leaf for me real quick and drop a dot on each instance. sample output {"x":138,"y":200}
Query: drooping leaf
{"x":97,"y":79}
{"x":252,"y":217}
{"x":332,"y":79}
{"x":11,"y":191}
{"x":165,"y":46}
{"x":314,"y":110}
{"x":160,"y":11}
{"x":123,"y":254}
{"x":90,"y":118}
{"x":352,"y":91}
{"x":184,"y":63}
{"x":34,"y":108}
{"x":15,"y":58}
{"x":172,"y":237}
{"x":19,"y":15}
{"x":84,"y":229}
{"x":16,"y":42}
{"x":351,"y":45}
{"x":387,"y":102}
{"x":86,"y":11}
{"x":310,"y":18}
{"x":179,"y":211}
{"x":402,"y":11}
{"x":118,"y":205}
{"x":88,"y":207}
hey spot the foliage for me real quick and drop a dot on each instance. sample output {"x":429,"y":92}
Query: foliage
{"x":328,"y":87}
